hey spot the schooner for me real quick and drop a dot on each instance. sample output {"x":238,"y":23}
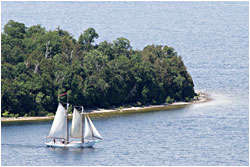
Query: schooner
{"x":60,"y":130}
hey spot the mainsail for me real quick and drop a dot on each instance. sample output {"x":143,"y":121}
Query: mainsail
{"x":76,"y":128}
{"x":59,"y":126}
{"x":90,"y":132}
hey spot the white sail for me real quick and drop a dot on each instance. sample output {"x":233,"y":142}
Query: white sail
{"x":95,"y":134}
{"x":76,"y":127}
{"x":59,"y":126}
{"x":87,"y":131}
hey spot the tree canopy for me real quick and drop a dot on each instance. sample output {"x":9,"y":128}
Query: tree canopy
{"x":37,"y":65}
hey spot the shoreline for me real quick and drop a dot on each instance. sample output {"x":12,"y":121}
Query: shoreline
{"x":202,"y":98}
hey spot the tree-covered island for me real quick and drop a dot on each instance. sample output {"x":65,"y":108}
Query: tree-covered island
{"x":37,"y":65}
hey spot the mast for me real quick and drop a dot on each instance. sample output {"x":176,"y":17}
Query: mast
{"x":67,"y":129}
{"x":82,"y":140}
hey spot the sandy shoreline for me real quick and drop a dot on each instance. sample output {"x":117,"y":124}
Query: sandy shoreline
{"x":104,"y":112}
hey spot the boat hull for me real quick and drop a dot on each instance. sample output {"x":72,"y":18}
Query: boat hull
{"x":71,"y":145}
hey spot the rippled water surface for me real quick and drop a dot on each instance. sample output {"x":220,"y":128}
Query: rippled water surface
{"x":213,"y":40}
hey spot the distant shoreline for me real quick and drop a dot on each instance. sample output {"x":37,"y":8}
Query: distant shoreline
{"x":202,"y":98}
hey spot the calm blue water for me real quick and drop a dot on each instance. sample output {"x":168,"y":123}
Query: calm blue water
{"x":213,"y":40}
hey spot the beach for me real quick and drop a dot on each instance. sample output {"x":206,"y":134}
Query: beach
{"x":202,"y":98}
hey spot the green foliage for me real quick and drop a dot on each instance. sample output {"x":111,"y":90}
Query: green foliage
{"x":70,"y":109}
{"x":50,"y":114}
{"x":5,"y":114}
{"x":15,"y":29}
{"x":12,"y":115}
{"x":121,"y":46}
{"x":37,"y":65}
{"x":138,"y":104}
{"x":188,"y":99}
{"x":87,"y":38}
{"x":154,"y":102}
{"x":32,"y":113}
{"x":169,"y":100}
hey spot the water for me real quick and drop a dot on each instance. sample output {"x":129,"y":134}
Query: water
{"x":213,"y":40}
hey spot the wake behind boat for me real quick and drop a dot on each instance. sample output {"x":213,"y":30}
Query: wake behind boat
{"x":60,"y":130}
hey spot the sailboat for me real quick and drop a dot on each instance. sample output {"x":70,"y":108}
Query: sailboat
{"x":60,"y":130}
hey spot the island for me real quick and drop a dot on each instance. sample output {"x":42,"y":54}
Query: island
{"x":39,"y":64}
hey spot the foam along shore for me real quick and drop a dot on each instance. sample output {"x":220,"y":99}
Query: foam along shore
{"x":108,"y":112}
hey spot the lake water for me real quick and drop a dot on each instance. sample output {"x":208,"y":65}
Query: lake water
{"x":213,"y":40}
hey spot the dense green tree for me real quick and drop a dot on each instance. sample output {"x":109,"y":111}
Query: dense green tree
{"x":87,"y":38}
{"x":121,"y":46}
{"x":38,"y":65}
{"x":107,"y":49}
{"x":12,"y":49}
{"x":15,"y":29}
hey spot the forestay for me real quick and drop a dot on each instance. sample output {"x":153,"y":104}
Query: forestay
{"x":59,"y":126}
{"x":76,"y":128}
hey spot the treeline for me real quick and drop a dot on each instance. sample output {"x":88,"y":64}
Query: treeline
{"x":37,"y":65}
